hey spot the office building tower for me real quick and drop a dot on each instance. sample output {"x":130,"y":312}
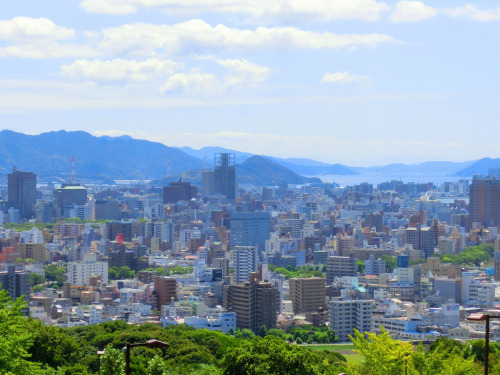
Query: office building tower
{"x":307,"y":294}
{"x":16,"y":282}
{"x":374,"y":266}
{"x":68,"y":195}
{"x":374,"y":221}
{"x":179,"y":191}
{"x":338,"y":266}
{"x":108,"y":209}
{"x":347,"y":315}
{"x":250,"y":229}
{"x":421,"y":238}
{"x":253,"y":302}
{"x":484,"y":201}
{"x":21,"y":192}
{"x":115,"y":228}
{"x":245,"y":262}
{"x":165,"y":290}
{"x":224,"y":175}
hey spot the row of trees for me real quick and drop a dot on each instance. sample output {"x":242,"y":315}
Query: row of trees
{"x":304,"y":271}
{"x":474,"y":255}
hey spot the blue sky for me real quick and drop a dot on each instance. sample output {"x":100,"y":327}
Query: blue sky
{"x":358,"y":82}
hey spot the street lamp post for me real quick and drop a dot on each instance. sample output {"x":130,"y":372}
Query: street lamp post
{"x":486,"y":318}
{"x":150,"y":344}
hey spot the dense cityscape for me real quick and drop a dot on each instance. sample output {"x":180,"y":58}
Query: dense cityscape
{"x":249,"y":187}
{"x":413,"y":260}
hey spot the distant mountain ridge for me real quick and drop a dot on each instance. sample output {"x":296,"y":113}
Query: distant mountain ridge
{"x":479,"y":167}
{"x":49,"y":154}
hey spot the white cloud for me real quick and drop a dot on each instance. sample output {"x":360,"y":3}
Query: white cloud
{"x":473,"y":13}
{"x":412,"y":11}
{"x":120,"y":70}
{"x":239,"y":72}
{"x":342,"y":77}
{"x":278,"y":10}
{"x":193,"y":81}
{"x":23,"y":29}
{"x":117,"y":7}
{"x":39,"y":38}
{"x":197,"y":35}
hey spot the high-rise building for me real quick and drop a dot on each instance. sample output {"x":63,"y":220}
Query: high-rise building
{"x":36,"y":251}
{"x":253,"y":302}
{"x":165,"y":290}
{"x":179,"y":191}
{"x":484,"y":201}
{"x":68,"y":195}
{"x":108,"y":209}
{"x":16,"y":282}
{"x":114,"y":228}
{"x":375,"y":266}
{"x":79,"y":273}
{"x":421,"y":238}
{"x":373,"y":220}
{"x":250,"y":229}
{"x":225,"y":175}
{"x":337,"y":266}
{"x":21,"y":192}
{"x":245,"y":262}
{"x":307,"y":294}
{"x":347,"y":315}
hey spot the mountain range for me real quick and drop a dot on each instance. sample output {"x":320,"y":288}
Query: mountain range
{"x":50,"y":154}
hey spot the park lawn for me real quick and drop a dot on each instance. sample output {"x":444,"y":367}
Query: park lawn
{"x":330,"y":347}
{"x":353,"y":358}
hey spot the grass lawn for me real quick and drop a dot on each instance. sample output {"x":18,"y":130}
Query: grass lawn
{"x":334,"y":347}
{"x":353,"y":358}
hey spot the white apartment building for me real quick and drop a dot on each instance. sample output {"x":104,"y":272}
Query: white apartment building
{"x":245,"y":261}
{"x":347,"y":315}
{"x":80,"y":272}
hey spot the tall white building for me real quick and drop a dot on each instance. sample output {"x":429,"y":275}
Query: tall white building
{"x":347,"y":315}
{"x":245,"y":261}
{"x":79,"y":273}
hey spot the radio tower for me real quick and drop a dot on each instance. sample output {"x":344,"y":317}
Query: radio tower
{"x":73,"y":170}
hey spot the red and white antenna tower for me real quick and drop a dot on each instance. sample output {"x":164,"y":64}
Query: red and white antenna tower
{"x":168,"y":166}
{"x":73,"y":170}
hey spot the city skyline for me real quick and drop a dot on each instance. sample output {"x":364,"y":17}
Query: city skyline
{"x":358,"y":83}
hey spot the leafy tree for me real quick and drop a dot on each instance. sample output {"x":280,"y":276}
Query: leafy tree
{"x":381,"y":354}
{"x":390,"y":262}
{"x":112,"y":362}
{"x":156,"y":366}
{"x":52,"y":346}
{"x":263,"y":331}
{"x":384,"y":356}
{"x":269,"y":356}
{"x":122,"y":273}
{"x":16,"y":339}
{"x":55,"y":273}
{"x":246,"y":334}
{"x":361,"y":266}
{"x":36,"y":279}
